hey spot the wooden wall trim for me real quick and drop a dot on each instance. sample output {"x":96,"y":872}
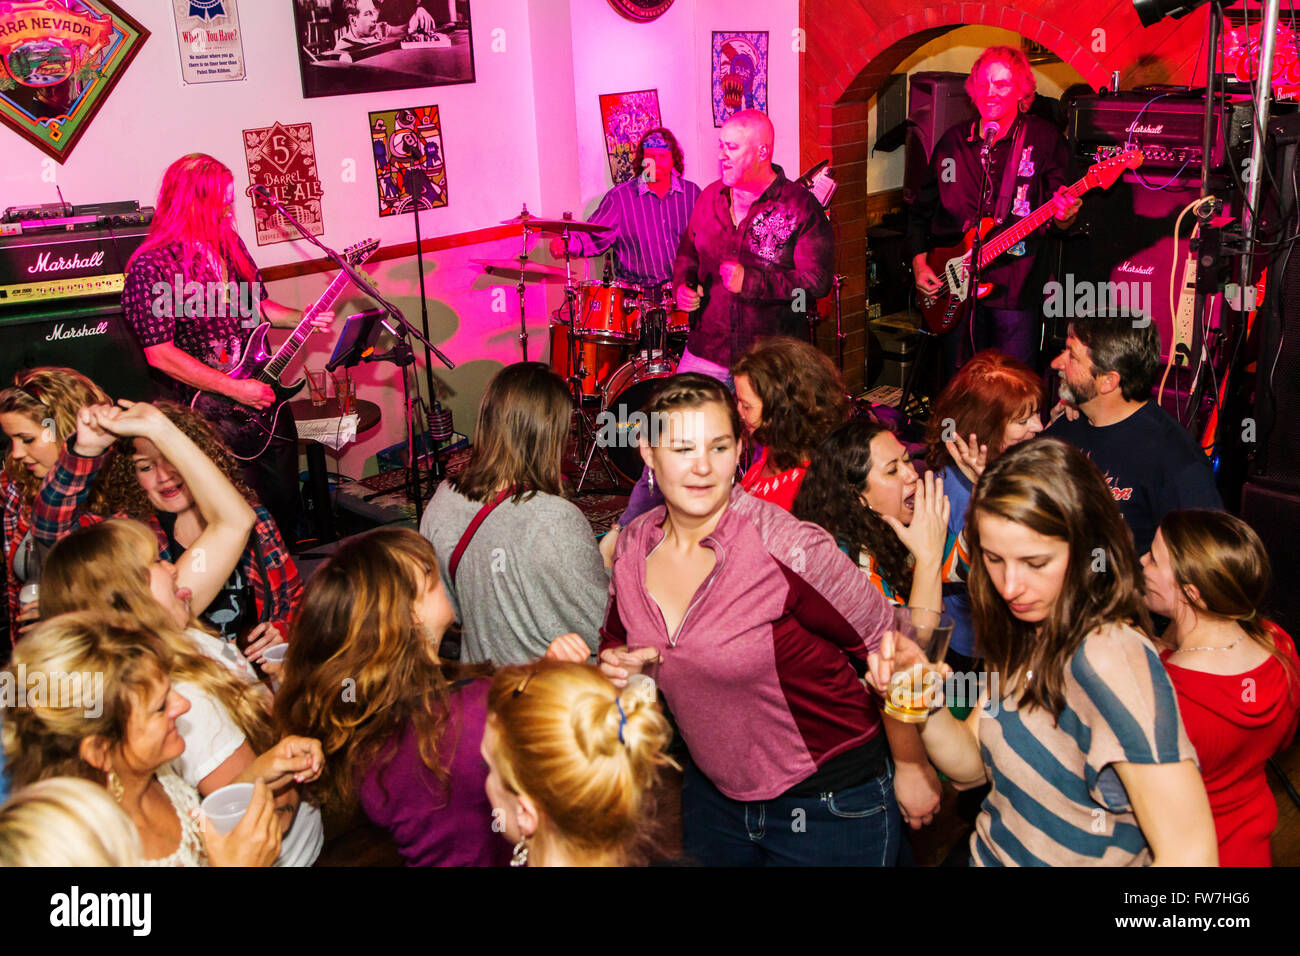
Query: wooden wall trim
{"x":401,"y":250}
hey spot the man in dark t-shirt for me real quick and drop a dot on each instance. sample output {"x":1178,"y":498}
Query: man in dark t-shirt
{"x":1149,"y":461}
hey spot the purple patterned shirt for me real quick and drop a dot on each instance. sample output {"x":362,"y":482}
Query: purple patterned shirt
{"x":787,"y":249}
{"x":646,"y":229}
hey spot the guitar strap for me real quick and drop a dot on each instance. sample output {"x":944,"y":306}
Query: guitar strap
{"x":1009,"y":169}
{"x":472,"y":530}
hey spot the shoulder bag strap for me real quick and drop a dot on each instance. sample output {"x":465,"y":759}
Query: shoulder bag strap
{"x":468,"y":536}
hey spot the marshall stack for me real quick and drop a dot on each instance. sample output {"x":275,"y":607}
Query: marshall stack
{"x":62,"y":270}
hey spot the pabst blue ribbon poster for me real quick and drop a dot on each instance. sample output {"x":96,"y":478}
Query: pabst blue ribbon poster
{"x":210,"y":41}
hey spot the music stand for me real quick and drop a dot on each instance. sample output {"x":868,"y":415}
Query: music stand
{"x":370,"y":337}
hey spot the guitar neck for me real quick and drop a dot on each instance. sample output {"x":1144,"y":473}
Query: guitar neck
{"x":1005,"y":240}
{"x":273,"y":369}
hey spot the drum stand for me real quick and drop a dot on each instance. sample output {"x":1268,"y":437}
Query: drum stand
{"x":587,"y":437}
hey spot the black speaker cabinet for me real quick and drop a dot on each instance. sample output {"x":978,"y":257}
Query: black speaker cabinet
{"x":91,"y":338}
{"x":1274,"y":513}
{"x":936,"y":102}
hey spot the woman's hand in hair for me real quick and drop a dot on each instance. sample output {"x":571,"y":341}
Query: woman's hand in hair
{"x":927,"y":534}
{"x":569,"y":647}
{"x":970,"y":457}
{"x":93,"y":438}
{"x":134,"y":420}
{"x":299,"y":759}
{"x":255,"y":840}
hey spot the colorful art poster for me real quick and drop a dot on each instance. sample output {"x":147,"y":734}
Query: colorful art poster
{"x":211,"y":45}
{"x":625,"y":117}
{"x":283,"y":159}
{"x":409,"y":167}
{"x":739,"y":74}
{"x":59,"y":61}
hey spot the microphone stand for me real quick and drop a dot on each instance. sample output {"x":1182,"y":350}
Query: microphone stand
{"x":405,"y":330}
{"x":973,"y":271}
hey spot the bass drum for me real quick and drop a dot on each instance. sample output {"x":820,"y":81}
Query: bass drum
{"x":629,"y":390}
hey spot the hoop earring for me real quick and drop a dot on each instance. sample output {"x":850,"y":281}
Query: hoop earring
{"x":115,"y":788}
{"x":520,"y":855}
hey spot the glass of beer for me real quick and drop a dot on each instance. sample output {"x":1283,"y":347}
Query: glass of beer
{"x":914,"y":690}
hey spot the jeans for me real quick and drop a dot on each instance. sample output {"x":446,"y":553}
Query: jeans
{"x":643,"y":497}
{"x":857,"y":826}
{"x":1014,"y":332}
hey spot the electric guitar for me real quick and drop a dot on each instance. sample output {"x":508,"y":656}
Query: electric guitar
{"x":947,"y":307}
{"x":248,"y":431}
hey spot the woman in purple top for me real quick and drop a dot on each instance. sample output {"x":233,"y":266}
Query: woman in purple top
{"x":761,"y":627}
{"x":400,"y":740}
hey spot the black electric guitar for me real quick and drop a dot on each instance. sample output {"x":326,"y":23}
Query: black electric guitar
{"x":247,"y":431}
{"x":947,"y":307}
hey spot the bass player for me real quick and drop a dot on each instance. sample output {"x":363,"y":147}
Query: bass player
{"x":947,"y":201}
{"x":191,"y":295}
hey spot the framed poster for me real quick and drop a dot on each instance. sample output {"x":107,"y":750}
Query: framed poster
{"x":363,"y":46}
{"x":625,"y":117}
{"x":59,"y":61}
{"x":282,"y":157}
{"x":210,"y":41}
{"x":409,"y":166}
{"x":739,"y":74}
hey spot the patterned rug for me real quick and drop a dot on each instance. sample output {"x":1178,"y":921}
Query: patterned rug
{"x":393,"y":505}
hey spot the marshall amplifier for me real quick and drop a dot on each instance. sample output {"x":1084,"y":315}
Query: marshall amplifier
{"x":91,"y":337}
{"x":1165,"y":126}
{"x":44,"y":267}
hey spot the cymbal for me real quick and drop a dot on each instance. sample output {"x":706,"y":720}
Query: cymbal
{"x":558,"y":226}
{"x":510,"y":269}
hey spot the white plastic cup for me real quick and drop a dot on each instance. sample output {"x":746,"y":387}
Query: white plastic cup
{"x":226,"y":807}
{"x":275,"y":653}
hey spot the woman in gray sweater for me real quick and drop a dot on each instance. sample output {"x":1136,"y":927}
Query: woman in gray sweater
{"x":530,"y":571}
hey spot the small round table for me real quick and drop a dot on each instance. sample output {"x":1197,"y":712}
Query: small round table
{"x":317,"y":474}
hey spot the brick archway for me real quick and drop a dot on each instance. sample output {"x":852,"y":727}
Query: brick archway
{"x":852,"y":46}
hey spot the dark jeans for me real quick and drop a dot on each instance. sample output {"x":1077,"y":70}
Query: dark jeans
{"x":1014,"y":332}
{"x":273,"y":477}
{"x":857,"y":826}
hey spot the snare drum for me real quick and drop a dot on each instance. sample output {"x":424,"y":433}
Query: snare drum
{"x":598,"y":359}
{"x":627,"y":393}
{"x":679,"y":321}
{"x":609,"y":313}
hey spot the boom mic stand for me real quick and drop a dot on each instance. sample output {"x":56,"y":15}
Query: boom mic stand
{"x":403,"y":330}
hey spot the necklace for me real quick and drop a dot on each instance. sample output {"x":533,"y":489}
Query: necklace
{"x":1227,"y":648}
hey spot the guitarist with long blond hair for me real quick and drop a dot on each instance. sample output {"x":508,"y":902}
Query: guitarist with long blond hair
{"x":192,"y":293}
{"x":1027,"y":160}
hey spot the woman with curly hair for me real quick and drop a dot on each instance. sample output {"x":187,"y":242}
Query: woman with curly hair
{"x":790,"y":397}
{"x":37,"y":414}
{"x":363,"y":676}
{"x":139,"y":481}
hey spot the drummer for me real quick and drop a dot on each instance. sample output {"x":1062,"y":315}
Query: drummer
{"x":646,"y":215}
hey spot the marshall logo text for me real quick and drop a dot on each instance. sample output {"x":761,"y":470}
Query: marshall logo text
{"x":59,"y":333}
{"x":44,"y":263}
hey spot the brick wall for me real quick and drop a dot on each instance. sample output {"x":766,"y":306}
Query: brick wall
{"x":852,"y":46}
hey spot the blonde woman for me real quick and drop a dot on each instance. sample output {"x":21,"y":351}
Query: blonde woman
{"x":120,"y":730}
{"x":36,"y":414}
{"x":66,"y":821}
{"x":572,"y":762}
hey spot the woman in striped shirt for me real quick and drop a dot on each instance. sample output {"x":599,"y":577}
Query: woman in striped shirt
{"x":1077,"y":729}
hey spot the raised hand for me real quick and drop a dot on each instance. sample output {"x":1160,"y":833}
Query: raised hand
{"x":969,"y":456}
{"x":93,"y":439}
{"x":927,"y":534}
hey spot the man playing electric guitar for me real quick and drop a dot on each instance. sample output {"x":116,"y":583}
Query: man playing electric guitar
{"x":947,"y":200}
{"x":192,"y":294}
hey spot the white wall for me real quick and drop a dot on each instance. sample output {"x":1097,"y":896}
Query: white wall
{"x":956,"y":52}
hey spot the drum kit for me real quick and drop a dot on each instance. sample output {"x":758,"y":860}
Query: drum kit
{"x":611,"y":341}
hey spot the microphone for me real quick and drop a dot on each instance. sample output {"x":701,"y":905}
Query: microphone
{"x":989,"y":131}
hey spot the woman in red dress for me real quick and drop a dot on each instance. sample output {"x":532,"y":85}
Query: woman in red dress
{"x":1237,"y":675}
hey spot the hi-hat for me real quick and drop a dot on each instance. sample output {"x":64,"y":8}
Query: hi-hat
{"x":558,"y":226}
{"x":511,"y":269}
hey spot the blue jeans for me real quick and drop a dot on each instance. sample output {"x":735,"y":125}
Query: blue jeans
{"x":643,"y":497}
{"x":858,"y":826}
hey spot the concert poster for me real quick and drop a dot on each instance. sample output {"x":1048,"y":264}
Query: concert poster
{"x":383,"y":45}
{"x":59,"y":61}
{"x":283,"y":159}
{"x":409,"y":166}
{"x":739,"y":81}
{"x":625,"y":117}
{"x":210,"y":41}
